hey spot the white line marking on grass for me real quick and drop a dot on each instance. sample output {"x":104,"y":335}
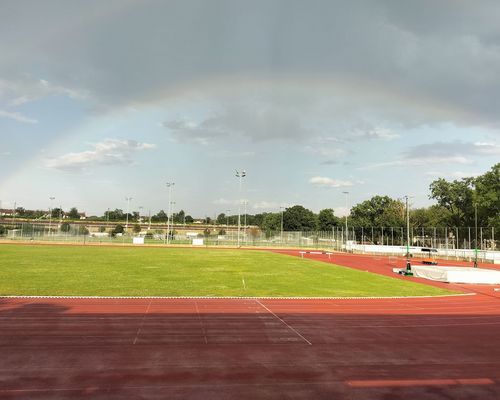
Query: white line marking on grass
{"x":290,"y":327}
{"x":142,"y":323}
{"x":244,"y":286}
{"x":236,"y":297}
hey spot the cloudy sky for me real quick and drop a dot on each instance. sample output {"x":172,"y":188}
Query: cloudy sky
{"x":102,"y":100}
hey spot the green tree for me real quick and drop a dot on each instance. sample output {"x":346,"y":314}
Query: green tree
{"x":327,"y":220}
{"x":116,"y":215}
{"x":73,"y":213}
{"x":160,"y":217}
{"x":221,"y":219}
{"x":178,"y":218}
{"x":487,"y":191}
{"x":457,"y":197}
{"x":434,"y":215}
{"x":117,"y":229}
{"x":298,"y":218}
{"x":57,"y":212}
{"x":136,"y":228}
{"x":65,"y":227}
{"x":379,"y":211}
{"x":189,"y":219}
{"x":271,"y":222}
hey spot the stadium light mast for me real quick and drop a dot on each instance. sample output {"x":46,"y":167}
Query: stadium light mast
{"x":347,"y":211}
{"x":281,"y":232}
{"x":140,"y":208}
{"x":50,"y":213}
{"x":408,"y":263}
{"x":170,"y":186}
{"x":475,"y":224}
{"x":240,"y":175}
{"x":128,"y":200}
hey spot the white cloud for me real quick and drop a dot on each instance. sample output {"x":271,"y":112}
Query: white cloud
{"x":325,"y":151}
{"x":329,"y":182}
{"x":267,"y":205}
{"x":16,"y":116}
{"x":108,"y":152}
{"x":21,"y":91}
{"x":224,"y":202}
{"x":377,"y":134}
{"x":453,"y":175}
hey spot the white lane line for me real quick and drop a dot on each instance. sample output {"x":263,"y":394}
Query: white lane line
{"x":142,"y":323}
{"x":201,"y":322}
{"x":290,"y":327}
{"x":244,"y":286}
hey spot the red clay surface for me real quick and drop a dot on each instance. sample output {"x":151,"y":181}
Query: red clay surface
{"x":419,"y":348}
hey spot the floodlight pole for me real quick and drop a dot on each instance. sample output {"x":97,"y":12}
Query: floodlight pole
{"x":475,"y":224}
{"x":50,"y":214}
{"x":245,"y":203}
{"x":346,"y":210}
{"x":281,"y":234}
{"x":408,"y":263}
{"x":128,"y":199}
{"x":170,"y":185}
{"x":240,"y":176}
{"x":140,"y":208}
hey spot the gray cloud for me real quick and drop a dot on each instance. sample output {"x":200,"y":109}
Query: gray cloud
{"x":436,"y":153}
{"x":246,"y":119}
{"x":438,"y":62}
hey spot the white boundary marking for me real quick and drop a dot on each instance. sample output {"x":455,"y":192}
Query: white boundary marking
{"x":290,"y":327}
{"x":237,"y":297}
{"x":142,"y":323}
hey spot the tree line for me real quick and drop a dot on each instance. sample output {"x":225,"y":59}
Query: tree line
{"x":457,"y":203}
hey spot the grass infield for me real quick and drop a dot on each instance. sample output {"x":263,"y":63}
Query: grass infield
{"x":115,"y":271}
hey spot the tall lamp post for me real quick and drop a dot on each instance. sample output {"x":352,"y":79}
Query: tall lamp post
{"x":227,"y":219}
{"x":408,"y":263}
{"x":245,"y":203}
{"x":170,"y":186}
{"x":128,"y":200}
{"x":240,"y":175}
{"x":475,"y":224}
{"x":282,"y":209}
{"x":140,"y":209}
{"x":347,"y":211}
{"x":50,"y":214}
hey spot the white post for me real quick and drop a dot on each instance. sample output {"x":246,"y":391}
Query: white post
{"x":281,"y":233}
{"x":240,"y":176}
{"x":347,"y":212}
{"x":169,"y":185}
{"x":50,"y":214}
{"x":128,"y":199}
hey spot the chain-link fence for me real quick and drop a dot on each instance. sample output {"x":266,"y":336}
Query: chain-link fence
{"x":336,"y":239}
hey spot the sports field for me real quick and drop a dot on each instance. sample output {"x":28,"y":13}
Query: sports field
{"x":126,"y":271}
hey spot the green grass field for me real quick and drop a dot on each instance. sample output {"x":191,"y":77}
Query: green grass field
{"x":115,"y":271}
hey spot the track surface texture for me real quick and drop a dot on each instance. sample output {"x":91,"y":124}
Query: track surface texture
{"x":390,"y":349}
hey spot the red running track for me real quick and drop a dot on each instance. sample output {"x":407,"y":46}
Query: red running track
{"x":420,"y":348}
